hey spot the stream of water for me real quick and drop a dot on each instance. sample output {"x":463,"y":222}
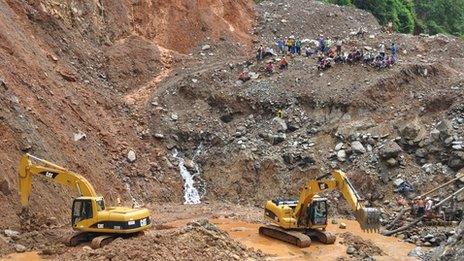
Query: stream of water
{"x":191,"y":194}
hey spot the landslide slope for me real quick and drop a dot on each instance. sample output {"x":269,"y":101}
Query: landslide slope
{"x":249,"y":155}
{"x":66,"y":68}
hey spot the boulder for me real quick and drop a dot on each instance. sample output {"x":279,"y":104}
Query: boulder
{"x":5,"y":188}
{"x":342,"y":225}
{"x":79,"y":136}
{"x":131,"y":157}
{"x":435,"y":134}
{"x":357,"y":146}
{"x":410,"y":131}
{"x":444,"y":127}
{"x":20,"y":248}
{"x":392,"y":162}
{"x":390,"y":150}
{"x":456,"y":160}
{"x":189,"y":164}
{"x":350,"y":250}
{"x":206,"y":47}
{"x":341,"y":155}
{"x":11,"y":234}
{"x":339,"y":146}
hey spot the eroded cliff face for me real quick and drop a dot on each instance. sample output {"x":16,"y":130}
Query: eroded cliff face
{"x":67,"y":67}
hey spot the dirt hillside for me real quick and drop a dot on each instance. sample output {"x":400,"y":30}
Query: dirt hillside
{"x":67,"y":67}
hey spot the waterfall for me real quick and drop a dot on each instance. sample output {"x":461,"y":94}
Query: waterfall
{"x":191,"y":194}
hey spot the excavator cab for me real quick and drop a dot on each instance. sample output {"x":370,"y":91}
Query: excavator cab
{"x":318,"y":212}
{"x":86,"y":208}
{"x":82,"y":209}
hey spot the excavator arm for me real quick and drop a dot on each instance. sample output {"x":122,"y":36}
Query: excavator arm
{"x":54,"y":172}
{"x":368,"y":218}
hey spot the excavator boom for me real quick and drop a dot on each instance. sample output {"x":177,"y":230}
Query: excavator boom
{"x":49,"y":170}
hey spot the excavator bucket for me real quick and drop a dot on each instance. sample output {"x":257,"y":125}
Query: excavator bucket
{"x":369,"y":219}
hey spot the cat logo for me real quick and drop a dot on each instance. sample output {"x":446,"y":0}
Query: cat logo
{"x":49,"y":174}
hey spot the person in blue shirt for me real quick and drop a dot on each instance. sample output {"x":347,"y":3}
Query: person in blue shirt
{"x":281,"y":46}
{"x":394,"y":50}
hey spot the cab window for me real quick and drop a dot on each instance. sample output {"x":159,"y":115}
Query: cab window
{"x":319,"y":212}
{"x":82,"y":209}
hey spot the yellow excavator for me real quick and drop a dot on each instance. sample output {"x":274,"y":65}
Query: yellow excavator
{"x":93,"y":220}
{"x":298,"y":221}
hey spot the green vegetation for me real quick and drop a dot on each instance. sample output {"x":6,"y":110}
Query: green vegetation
{"x":415,"y":16}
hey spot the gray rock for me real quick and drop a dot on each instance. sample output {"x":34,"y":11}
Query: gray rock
{"x":398,"y":182}
{"x":79,"y":136}
{"x":174,"y":117}
{"x":131,"y":157}
{"x":457,"y":147}
{"x":357,"y":146}
{"x":390,"y":150}
{"x":341,"y":155}
{"x":449,"y":140}
{"x":189,"y":164}
{"x":158,"y":136}
{"x":206,"y":47}
{"x":417,"y":252}
{"x":339,"y":146}
{"x":410,"y":131}
{"x":11,"y":233}
{"x":276,"y":139}
{"x":281,"y":125}
{"x":435,"y":134}
{"x":391,"y":162}
{"x":444,"y":127}
{"x":421,"y":153}
{"x":20,"y":248}
{"x":350,"y":250}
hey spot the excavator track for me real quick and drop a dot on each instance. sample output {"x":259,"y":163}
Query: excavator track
{"x":102,"y":241}
{"x":77,"y":238}
{"x":290,"y":236}
{"x":321,"y":236}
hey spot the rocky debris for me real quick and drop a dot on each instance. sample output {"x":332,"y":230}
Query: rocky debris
{"x":199,"y":240}
{"x":452,"y":249}
{"x":417,"y":252}
{"x":359,"y":247}
{"x":342,"y":225}
{"x":131,"y":157}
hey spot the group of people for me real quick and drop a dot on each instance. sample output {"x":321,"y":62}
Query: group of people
{"x":326,"y":50}
{"x":329,"y":53}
